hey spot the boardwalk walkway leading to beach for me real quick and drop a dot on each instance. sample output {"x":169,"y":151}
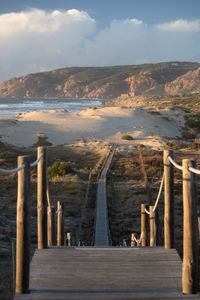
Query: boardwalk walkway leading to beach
{"x":101,"y":226}
{"x":62,"y":273}
{"x":103,"y":272}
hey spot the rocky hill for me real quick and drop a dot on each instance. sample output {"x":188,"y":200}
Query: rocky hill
{"x":107,"y":82}
{"x":189,"y":82}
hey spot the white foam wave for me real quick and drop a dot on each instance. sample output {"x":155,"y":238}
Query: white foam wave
{"x":12,"y":107}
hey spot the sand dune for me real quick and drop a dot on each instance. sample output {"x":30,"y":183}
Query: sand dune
{"x":104,"y":124}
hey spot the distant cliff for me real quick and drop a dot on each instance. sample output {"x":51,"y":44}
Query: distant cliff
{"x":107,"y":82}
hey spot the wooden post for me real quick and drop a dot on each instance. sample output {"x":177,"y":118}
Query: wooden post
{"x":152,"y":227}
{"x":51,"y":225}
{"x":42,"y":199}
{"x":68,"y":239}
{"x":53,"y":221}
{"x":199,"y":227}
{"x":190,"y":230}
{"x":133,"y":244}
{"x":14,"y":266}
{"x":157,"y":222}
{"x":143,"y":226}
{"x":124,"y":243}
{"x":63,"y":225}
{"x":169,"y":201}
{"x":59,"y":224}
{"x":23,"y":227}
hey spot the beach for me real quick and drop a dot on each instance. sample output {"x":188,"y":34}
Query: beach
{"x":102,"y":125}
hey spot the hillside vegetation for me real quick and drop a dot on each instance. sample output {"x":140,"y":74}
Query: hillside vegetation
{"x":107,"y":82}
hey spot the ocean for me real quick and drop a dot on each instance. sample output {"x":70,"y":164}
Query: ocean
{"x":12,"y":106}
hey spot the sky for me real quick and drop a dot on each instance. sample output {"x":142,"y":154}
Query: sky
{"x":42,"y":35}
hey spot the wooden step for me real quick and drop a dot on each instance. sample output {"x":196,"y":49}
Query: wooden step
{"x":105,"y":273}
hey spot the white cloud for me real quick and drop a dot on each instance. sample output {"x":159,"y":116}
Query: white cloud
{"x":180,"y":26}
{"x":133,"y":21}
{"x":40,"y":21}
{"x":37,"y":40}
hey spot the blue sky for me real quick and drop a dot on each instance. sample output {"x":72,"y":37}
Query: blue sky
{"x":44,"y":35}
{"x":151,"y":11}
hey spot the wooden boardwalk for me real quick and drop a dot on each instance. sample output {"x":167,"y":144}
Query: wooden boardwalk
{"x":101,"y":227}
{"x":105,"y":273}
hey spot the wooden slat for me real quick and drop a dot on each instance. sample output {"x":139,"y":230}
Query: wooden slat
{"x":106,"y":273}
{"x":101,"y":226}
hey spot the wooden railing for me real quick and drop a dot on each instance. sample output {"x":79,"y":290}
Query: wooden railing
{"x":190,"y":219}
{"x":46,"y":216}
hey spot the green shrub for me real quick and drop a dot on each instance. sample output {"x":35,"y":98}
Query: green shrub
{"x":189,"y":133}
{"x":127,"y":137}
{"x":193,"y":123}
{"x":59,"y":169}
{"x":153,"y":112}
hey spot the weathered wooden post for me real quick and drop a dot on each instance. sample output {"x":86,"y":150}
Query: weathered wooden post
{"x":13,"y":245}
{"x":53,"y":220}
{"x":42,"y":198}
{"x":68,"y":239}
{"x":143,"y":226}
{"x":152,"y":227}
{"x":63,"y":241}
{"x":133,"y":244}
{"x":158,"y":231}
{"x":59,"y":223}
{"x":169,"y":201}
{"x":199,"y":227}
{"x":190,"y":230}
{"x":124,"y":243}
{"x":23,"y":227}
{"x":51,"y":225}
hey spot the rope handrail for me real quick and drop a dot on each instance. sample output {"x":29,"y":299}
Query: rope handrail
{"x":159,"y":193}
{"x":138,"y":240}
{"x":158,"y":196}
{"x":175,"y":164}
{"x":48,"y":196}
{"x":37,"y":161}
{"x":22,"y":166}
{"x":12,"y":170}
{"x":193,"y":170}
{"x":59,"y":209}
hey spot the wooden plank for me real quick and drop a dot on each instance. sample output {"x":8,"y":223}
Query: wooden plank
{"x":97,"y":274}
{"x":159,"y":293}
{"x":101,"y":226}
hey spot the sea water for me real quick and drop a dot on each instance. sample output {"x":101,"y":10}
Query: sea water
{"x":12,"y":106}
